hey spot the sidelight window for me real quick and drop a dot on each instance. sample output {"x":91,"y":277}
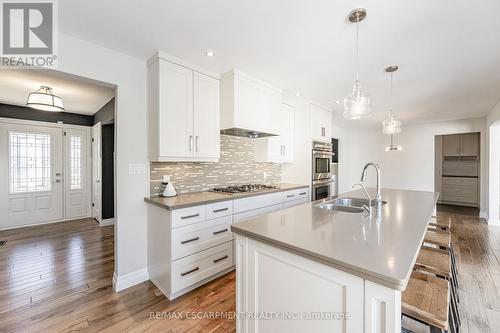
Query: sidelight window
{"x":75,"y":157}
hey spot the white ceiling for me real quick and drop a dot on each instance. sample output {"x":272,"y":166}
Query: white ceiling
{"x":79,"y":95}
{"x":448,"y":51}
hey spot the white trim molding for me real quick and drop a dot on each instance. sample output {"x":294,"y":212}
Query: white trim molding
{"x":495,"y":222}
{"x":128,"y":280}
{"x":106,"y":222}
{"x":483,"y":214}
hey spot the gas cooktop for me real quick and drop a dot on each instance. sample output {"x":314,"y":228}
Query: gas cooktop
{"x":243,"y":188}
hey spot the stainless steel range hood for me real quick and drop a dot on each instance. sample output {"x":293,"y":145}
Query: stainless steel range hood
{"x":245,"y":133}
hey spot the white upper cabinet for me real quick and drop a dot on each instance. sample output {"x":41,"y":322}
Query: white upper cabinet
{"x":278,"y":149}
{"x":321,"y":123}
{"x":184,"y":113}
{"x":206,"y":116}
{"x":248,"y":103}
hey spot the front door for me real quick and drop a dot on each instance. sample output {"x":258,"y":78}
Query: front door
{"x":31,"y":179}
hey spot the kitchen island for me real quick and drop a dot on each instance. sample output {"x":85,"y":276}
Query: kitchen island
{"x":310,"y":269}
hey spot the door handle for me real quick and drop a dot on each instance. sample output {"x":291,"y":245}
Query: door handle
{"x":284,"y":150}
{"x":190,"y":143}
{"x":58,"y":174}
{"x":197,"y":142}
{"x":58,"y":180}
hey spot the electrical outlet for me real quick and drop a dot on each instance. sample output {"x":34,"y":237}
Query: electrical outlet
{"x":136,"y":169}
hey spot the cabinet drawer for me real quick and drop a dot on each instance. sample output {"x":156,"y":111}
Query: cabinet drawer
{"x":470,"y":191}
{"x":460,"y":181}
{"x":200,"y":236}
{"x":460,"y":168}
{"x":258,"y":201}
{"x":219,"y":209}
{"x":256,"y":212}
{"x":296,"y":194}
{"x":190,"y":215}
{"x":295,"y":202}
{"x":199,"y":266}
{"x":452,"y":197}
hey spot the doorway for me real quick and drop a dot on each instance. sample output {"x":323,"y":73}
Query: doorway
{"x":43,"y":174}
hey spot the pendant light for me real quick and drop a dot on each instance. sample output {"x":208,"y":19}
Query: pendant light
{"x":392,"y":146}
{"x":358,"y":104}
{"x":43,"y":99}
{"x":391,"y":125}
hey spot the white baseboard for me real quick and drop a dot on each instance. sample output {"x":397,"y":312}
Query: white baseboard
{"x":42,"y":223}
{"x":495,"y":222}
{"x":106,"y":222}
{"x":483,"y":214}
{"x":130,"y":279}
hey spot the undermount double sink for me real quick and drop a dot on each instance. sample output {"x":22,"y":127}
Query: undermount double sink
{"x":348,"y":205}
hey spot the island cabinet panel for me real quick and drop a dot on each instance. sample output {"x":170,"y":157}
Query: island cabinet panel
{"x":382,"y":309}
{"x":294,"y":294}
{"x":291,"y":293}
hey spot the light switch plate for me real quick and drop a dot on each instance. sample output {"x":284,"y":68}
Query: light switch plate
{"x":136,"y":169}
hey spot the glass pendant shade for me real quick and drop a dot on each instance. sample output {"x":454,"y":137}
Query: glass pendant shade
{"x":44,"y":100}
{"x":393,"y":146}
{"x":391,"y":125}
{"x":357,"y":105}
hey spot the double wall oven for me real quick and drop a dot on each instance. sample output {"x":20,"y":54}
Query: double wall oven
{"x":323,"y":184}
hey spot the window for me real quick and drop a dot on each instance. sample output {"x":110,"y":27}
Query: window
{"x":29,"y":162}
{"x":75,"y":158}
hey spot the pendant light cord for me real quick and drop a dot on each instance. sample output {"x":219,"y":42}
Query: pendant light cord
{"x":390,"y":99}
{"x":357,"y":49}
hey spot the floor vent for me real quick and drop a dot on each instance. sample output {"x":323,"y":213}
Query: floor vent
{"x":2,"y":243}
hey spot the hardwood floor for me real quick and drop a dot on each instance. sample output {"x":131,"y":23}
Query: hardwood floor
{"x":477,"y":247}
{"x":57,"y":278}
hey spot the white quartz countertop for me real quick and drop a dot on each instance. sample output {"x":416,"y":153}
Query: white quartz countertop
{"x":382,"y":249}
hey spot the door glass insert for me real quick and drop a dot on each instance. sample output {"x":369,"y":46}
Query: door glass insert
{"x":29,"y":162}
{"x":75,"y":158}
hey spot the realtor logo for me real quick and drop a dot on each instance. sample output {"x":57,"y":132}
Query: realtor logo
{"x":28,"y":33}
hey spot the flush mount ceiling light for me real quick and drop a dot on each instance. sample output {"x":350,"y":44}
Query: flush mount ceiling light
{"x":391,"y":125}
{"x":357,"y":105}
{"x":43,"y":99}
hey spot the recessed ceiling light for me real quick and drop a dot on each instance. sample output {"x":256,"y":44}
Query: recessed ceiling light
{"x":209,"y":53}
{"x":297,"y":94}
{"x":337,"y":101}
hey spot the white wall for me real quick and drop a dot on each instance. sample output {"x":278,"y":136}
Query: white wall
{"x":413,"y":167}
{"x":357,"y":147}
{"x":129,"y":75}
{"x":493,"y":170}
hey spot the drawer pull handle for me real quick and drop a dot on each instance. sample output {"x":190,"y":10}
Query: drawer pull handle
{"x":191,"y":271}
{"x":221,"y":258}
{"x":220,"y":210}
{"x":190,"y":240}
{"x":189,"y":216}
{"x":220,"y":231}
{"x":290,"y":195}
{"x":302,"y":193}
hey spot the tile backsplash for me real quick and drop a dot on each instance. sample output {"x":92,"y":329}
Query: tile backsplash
{"x":236,"y":166}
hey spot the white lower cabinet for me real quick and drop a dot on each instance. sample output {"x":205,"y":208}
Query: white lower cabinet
{"x":202,"y":265}
{"x":188,"y":247}
{"x":194,"y":238}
